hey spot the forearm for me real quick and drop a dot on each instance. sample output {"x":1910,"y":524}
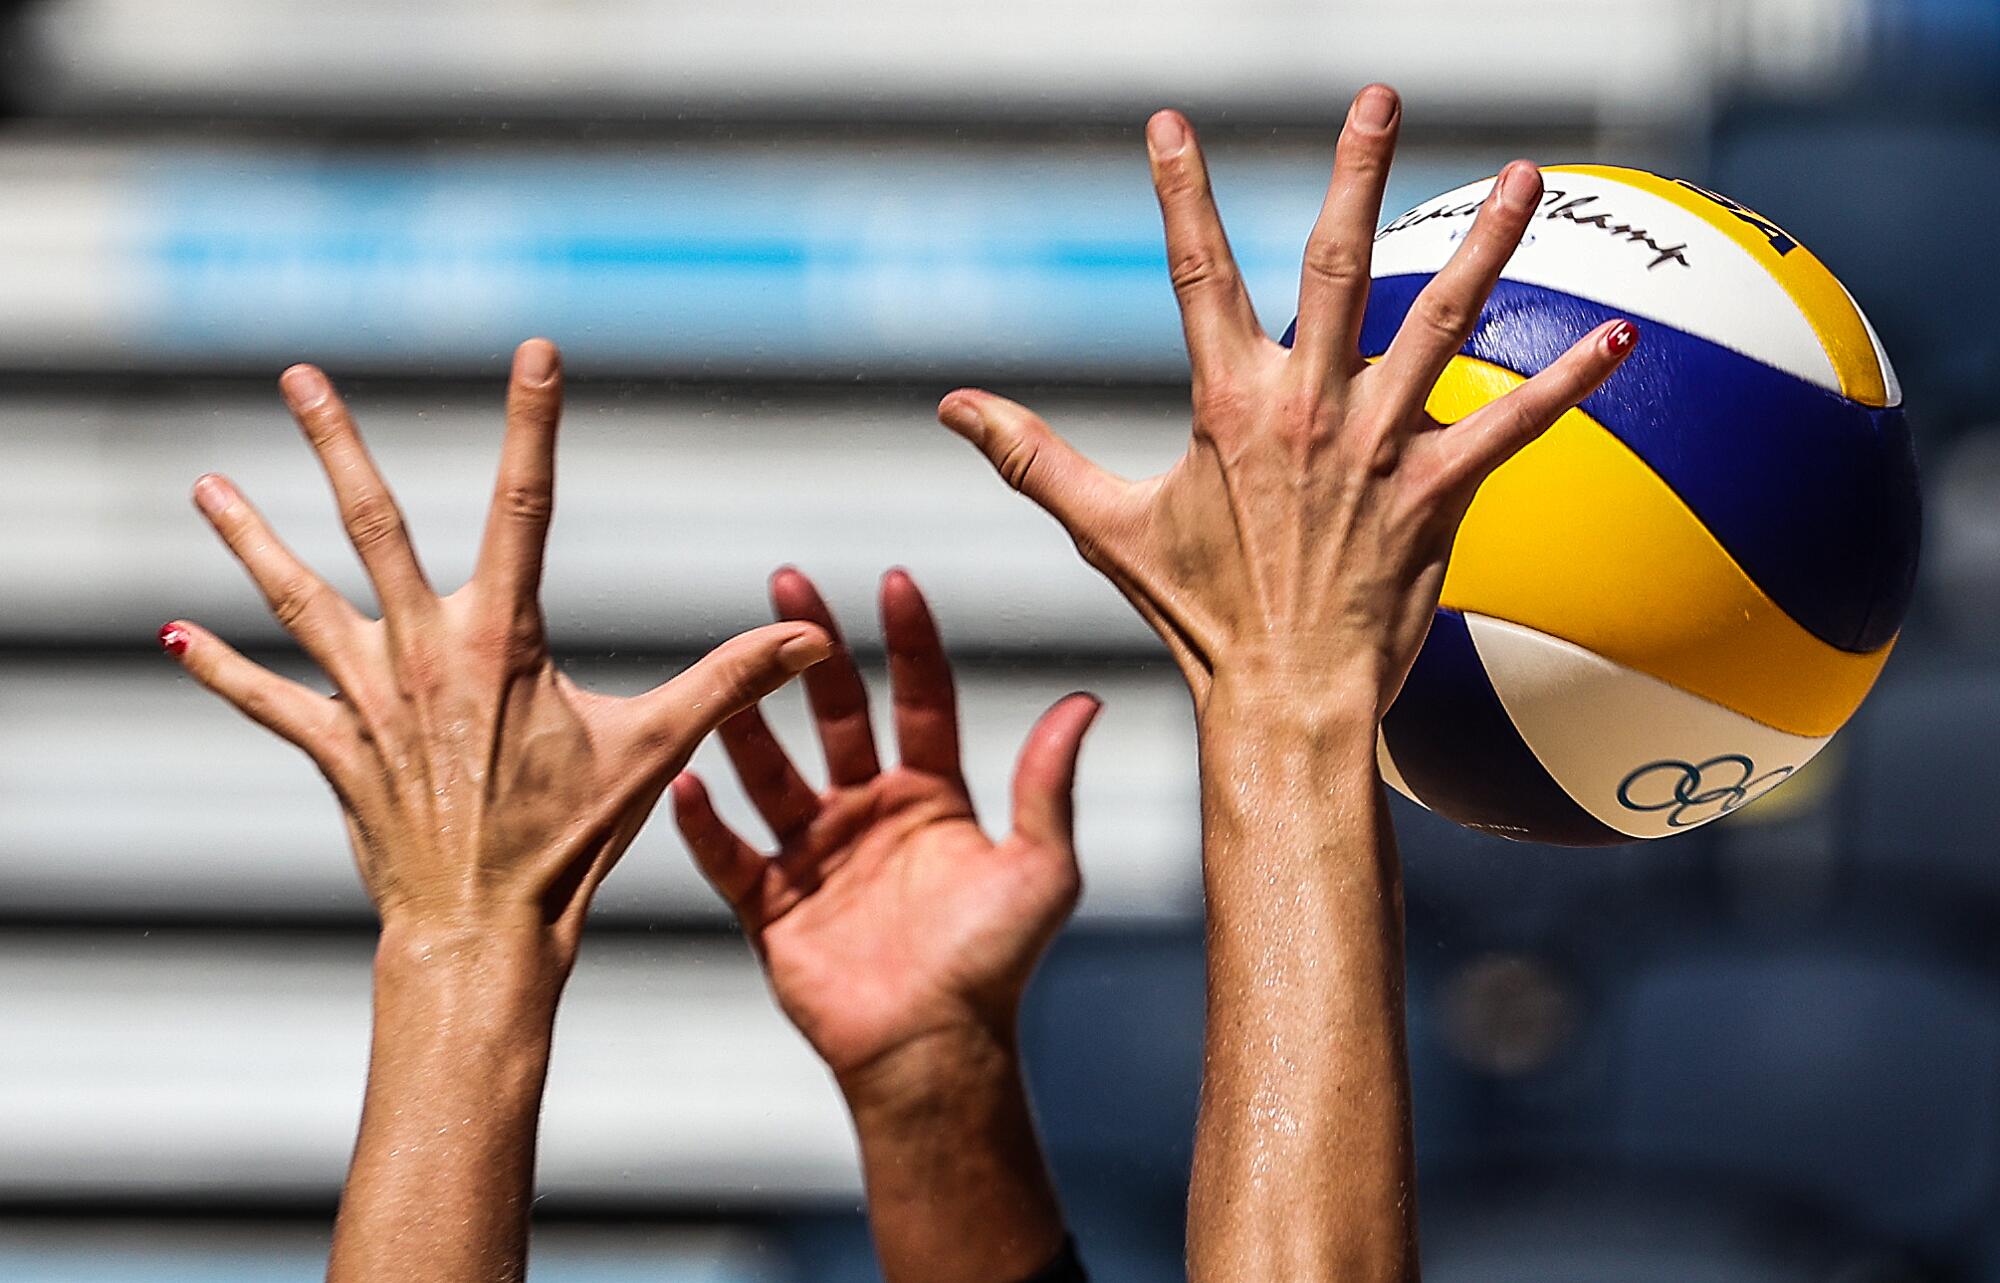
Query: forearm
{"x":1303,"y":1166}
{"x":958,"y":1189}
{"x":443,"y":1173}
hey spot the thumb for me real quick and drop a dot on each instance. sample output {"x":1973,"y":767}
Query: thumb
{"x":727,"y":680}
{"x":1045,"y":777}
{"x":1030,"y":457}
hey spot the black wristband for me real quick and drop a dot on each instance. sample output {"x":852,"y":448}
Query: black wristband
{"x":1066,"y":1268}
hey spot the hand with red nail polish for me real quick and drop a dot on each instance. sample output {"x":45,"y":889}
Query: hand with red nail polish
{"x":1291,"y":560}
{"x":485,"y":795}
{"x":899,"y":937}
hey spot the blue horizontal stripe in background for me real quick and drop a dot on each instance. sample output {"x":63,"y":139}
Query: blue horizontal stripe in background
{"x":704,"y":261}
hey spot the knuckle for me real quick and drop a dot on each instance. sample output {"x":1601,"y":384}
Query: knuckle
{"x":1337,"y":263}
{"x":526,"y":502}
{"x":373,"y":521}
{"x":321,"y":428}
{"x":1195,"y":269}
{"x":1362,"y":157}
{"x":1180,"y":179}
{"x":513,"y":638}
{"x":1446,"y":316}
{"x":294,"y":601}
{"x":1016,"y":462}
{"x":420,"y":667}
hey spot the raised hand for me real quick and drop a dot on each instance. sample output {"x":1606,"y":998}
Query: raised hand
{"x":1309,"y":522}
{"x":1292,"y":560}
{"x":481,"y":787}
{"x":486,"y":797}
{"x":899,"y":937}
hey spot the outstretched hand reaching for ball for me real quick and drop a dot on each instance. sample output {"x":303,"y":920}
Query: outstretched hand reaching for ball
{"x":1292,"y":560}
{"x":486,"y":797}
{"x":899,"y":937}
{"x":1308,"y":524}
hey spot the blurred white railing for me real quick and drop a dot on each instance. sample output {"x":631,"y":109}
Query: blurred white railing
{"x":128,"y":792}
{"x":231,"y":1068}
{"x":1633,"y":60}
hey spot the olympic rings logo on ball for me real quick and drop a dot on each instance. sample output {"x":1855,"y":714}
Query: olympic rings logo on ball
{"x":1691,"y":792}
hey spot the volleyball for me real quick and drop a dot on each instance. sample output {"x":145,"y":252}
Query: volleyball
{"x":1661,"y":609}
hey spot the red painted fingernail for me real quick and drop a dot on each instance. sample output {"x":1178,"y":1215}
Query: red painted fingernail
{"x":174,"y":638}
{"x":1620,"y":338}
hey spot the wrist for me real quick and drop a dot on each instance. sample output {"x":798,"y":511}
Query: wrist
{"x":485,"y":975}
{"x":941,"y":1067}
{"x":1273,"y":690}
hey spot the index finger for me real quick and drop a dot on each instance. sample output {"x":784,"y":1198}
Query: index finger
{"x":367,"y":508}
{"x":517,"y":524}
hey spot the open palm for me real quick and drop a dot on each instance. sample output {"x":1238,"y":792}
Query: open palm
{"x":887,"y":914}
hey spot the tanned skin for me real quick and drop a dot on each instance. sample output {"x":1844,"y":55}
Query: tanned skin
{"x":486,"y":797}
{"x":1292,"y":561}
{"x":899,"y":937}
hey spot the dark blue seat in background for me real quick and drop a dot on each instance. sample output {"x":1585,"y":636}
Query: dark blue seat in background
{"x":1467,"y":890}
{"x":1922,"y":792}
{"x":1834,"y":1072}
{"x":1602,"y":1228}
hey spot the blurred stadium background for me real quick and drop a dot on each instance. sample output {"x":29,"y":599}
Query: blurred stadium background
{"x":768,"y":237}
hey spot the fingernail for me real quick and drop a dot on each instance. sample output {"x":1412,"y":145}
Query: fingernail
{"x":536,"y":361}
{"x":1166,"y":133}
{"x":303,"y":385}
{"x":174,"y":638}
{"x":211,"y":494}
{"x":801,"y":653}
{"x":959,"y":414}
{"x":1618,"y":340}
{"x":1375,"y":107}
{"x":1520,"y":186}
